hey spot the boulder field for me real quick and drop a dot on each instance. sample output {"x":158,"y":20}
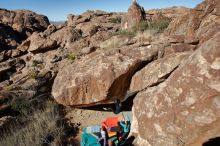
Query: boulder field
{"x":92,"y":59}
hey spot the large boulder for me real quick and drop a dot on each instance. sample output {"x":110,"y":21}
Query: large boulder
{"x":135,"y":15}
{"x":157,"y":71}
{"x":100,"y":77}
{"x":23,"y":21}
{"x":184,"y":109}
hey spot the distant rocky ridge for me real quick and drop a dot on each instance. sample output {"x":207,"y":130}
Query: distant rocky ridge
{"x":23,"y":21}
{"x":172,"y":12}
{"x":16,"y":26}
{"x":175,"y":74}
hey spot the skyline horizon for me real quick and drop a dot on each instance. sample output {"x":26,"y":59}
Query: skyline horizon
{"x":66,"y":9}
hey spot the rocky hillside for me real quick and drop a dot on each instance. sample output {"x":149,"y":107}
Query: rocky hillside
{"x":96,"y":57}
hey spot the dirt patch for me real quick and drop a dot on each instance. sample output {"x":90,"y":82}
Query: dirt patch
{"x":95,"y":115}
{"x":84,"y":118}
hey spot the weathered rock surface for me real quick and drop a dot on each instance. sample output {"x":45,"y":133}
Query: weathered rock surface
{"x":156,"y":72}
{"x":9,"y":39}
{"x":183,"y":110}
{"x":202,"y":22}
{"x":135,"y":15}
{"x":100,"y":76}
{"x":50,"y":39}
{"x":23,"y":21}
{"x":75,"y":36}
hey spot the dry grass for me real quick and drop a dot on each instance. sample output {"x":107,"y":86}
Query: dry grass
{"x":145,"y":36}
{"x":41,"y":129}
{"x":155,"y":26}
{"x":113,"y":42}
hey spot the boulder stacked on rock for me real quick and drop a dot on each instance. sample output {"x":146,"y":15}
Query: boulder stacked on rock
{"x":135,"y":15}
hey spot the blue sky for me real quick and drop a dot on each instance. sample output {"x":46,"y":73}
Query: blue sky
{"x":57,"y":10}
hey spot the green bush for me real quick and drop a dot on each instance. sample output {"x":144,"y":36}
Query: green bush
{"x":159,"y":26}
{"x":142,"y":26}
{"x":33,"y":74}
{"x":71,"y":56}
{"x":125,"y":33}
{"x":115,"y":20}
{"x":8,"y":88}
{"x":23,"y":106}
{"x":35,"y":63}
{"x":155,"y":26}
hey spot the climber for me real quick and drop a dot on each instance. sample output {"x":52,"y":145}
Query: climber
{"x":117,"y":106}
{"x":125,"y":131}
{"x":103,"y":140}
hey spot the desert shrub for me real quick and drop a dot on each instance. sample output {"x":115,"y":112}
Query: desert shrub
{"x":35,"y":63}
{"x":115,"y":20}
{"x":159,"y":26}
{"x":33,"y":74}
{"x":140,"y":27}
{"x":126,"y":33}
{"x":154,"y":26}
{"x":142,"y":37}
{"x":23,"y":106}
{"x":71,"y":56}
{"x":113,"y":42}
{"x":8,"y":88}
{"x":41,"y":129}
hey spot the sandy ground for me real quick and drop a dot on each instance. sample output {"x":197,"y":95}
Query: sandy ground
{"x":93,"y":116}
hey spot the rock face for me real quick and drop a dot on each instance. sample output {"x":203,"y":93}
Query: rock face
{"x":9,"y":39}
{"x":157,"y":71}
{"x":16,"y":26}
{"x":100,"y":77}
{"x":50,"y":39}
{"x":201,"y":22}
{"x":28,"y":67}
{"x":23,"y":21}
{"x":135,"y":15}
{"x":188,"y":99}
{"x":165,"y":112}
{"x":78,"y":34}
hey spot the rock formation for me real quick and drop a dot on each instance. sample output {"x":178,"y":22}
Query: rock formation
{"x":29,"y":66}
{"x":9,"y":39}
{"x":201,"y":22}
{"x":24,"y":22}
{"x":135,"y":15}
{"x":174,"y":75}
{"x":100,"y":77}
{"x":188,"y":99}
{"x":165,"y":112}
